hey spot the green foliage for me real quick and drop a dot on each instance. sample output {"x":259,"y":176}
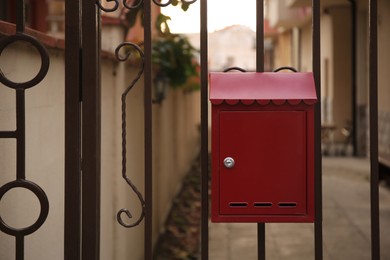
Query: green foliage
{"x":134,"y":14}
{"x":184,"y":6}
{"x":174,"y":57}
{"x":162,"y":25}
{"x":172,"y":54}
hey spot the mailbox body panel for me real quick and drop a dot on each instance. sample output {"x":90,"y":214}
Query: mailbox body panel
{"x":269,"y":174}
{"x":273,"y":176}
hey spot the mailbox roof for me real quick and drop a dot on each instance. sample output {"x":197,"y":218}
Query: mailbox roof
{"x":262,"y":87}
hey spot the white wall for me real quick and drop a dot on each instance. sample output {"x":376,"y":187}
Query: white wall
{"x":233,"y":46}
{"x":44,"y":155}
{"x":327,"y":64}
{"x":175,"y":140}
{"x":384,"y":57}
{"x":383,"y":80}
{"x":342,"y":91}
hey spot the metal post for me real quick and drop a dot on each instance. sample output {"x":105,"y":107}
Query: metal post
{"x":317,"y":135}
{"x":20,"y":16}
{"x":260,"y":36}
{"x":148,"y":129}
{"x":91,"y":125}
{"x":72,"y":228}
{"x":373,"y":48}
{"x":260,"y":68}
{"x":204,"y":132}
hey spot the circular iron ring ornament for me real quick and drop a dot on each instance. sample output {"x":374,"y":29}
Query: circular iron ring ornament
{"x":162,"y":4}
{"x":116,"y":5}
{"x":34,"y":188}
{"x":45,"y":61}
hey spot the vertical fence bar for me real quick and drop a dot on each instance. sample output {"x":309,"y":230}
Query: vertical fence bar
{"x":148,"y":129}
{"x":20,"y":15}
{"x":72,"y":227}
{"x":91,"y":125}
{"x":19,"y":247}
{"x":21,"y":135}
{"x":204,"y":131}
{"x":260,"y":35}
{"x":353,"y":76}
{"x":317,"y":135}
{"x":373,"y":92}
{"x":260,"y":68}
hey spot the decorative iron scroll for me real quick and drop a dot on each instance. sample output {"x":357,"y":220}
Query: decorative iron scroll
{"x":19,"y":133}
{"x":234,"y":69}
{"x":168,"y":2}
{"x":133,"y":4}
{"x":129,"y":47}
{"x":116,"y":5}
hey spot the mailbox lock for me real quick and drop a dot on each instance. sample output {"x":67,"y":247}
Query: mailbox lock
{"x":228,"y":162}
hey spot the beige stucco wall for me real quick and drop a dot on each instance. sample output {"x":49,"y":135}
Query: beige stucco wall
{"x":233,"y":46}
{"x":335,"y":76}
{"x":384,"y":57}
{"x":327,"y":64}
{"x":383,"y":80}
{"x":283,"y":50}
{"x":44,"y":154}
{"x":286,"y":45}
{"x":175,"y":141}
{"x":342,"y":92}
{"x":327,"y":61}
{"x":306,"y":48}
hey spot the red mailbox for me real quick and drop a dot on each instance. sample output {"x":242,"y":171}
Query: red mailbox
{"x":262,"y":147}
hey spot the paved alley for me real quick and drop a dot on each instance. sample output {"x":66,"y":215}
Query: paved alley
{"x":346,"y":222}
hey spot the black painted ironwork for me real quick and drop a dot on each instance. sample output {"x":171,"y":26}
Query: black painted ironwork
{"x":260,"y":68}
{"x":129,"y":49}
{"x":138,"y":50}
{"x":19,"y":133}
{"x":285,"y":68}
{"x":135,"y":5}
{"x":148,"y":130}
{"x":82,"y":194}
{"x":82,"y":130}
{"x":72,"y":199}
{"x":234,"y":68}
{"x":168,"y":2}
{"x":316,"y":63}
{"x":204,"y":157}
{"x":373,"y":98}
{"x":90,"y":129}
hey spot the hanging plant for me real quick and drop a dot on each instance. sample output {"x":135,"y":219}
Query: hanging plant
{"x":173,"y":56}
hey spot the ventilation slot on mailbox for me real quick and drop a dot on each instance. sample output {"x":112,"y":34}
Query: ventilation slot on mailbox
{"x":262,"y":204}
{"x":238,"y":204}
{"x":287,"y":204}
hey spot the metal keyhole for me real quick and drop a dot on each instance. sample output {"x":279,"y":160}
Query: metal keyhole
{"x":228,"y":162}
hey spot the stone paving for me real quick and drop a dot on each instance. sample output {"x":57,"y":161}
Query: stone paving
{"x":346,"y":222}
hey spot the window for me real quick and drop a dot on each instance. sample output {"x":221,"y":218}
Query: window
{"x":36,"y":13}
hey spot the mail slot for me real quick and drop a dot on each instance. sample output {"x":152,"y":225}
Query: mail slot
{"x":262,"y":147}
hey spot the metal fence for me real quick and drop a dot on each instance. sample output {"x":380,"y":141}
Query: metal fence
{"x":21,"y":180}
{"x":82,"y":128}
